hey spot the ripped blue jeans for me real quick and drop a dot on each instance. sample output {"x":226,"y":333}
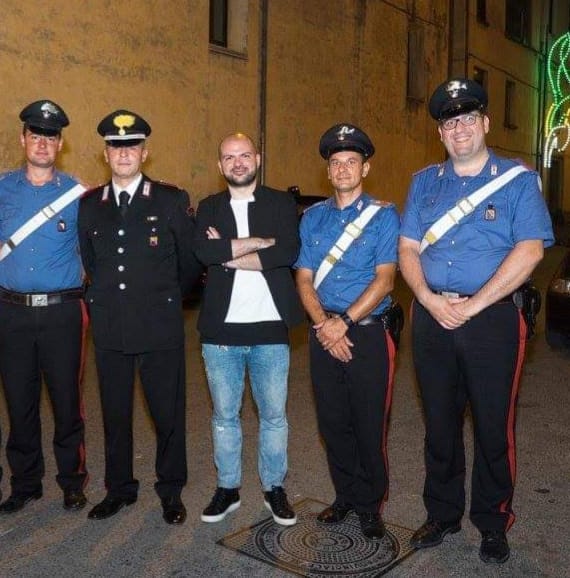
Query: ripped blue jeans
{"x":268,"y":370}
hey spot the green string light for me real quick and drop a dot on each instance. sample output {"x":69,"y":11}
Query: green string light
{"x":557,"y":122}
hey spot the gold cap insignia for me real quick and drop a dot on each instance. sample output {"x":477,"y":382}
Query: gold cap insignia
{"x":124,"y":120}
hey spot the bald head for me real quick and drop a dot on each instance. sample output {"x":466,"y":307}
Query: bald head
{"x":237,"y":137}
{"x":238,"y":162}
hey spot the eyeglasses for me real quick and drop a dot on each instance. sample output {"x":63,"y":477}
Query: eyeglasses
{"x":465,"y":119}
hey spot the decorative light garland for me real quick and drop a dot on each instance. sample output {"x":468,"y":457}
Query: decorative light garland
{"x":557,"y":122}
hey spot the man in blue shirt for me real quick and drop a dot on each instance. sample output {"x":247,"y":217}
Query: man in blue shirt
{"x":42,"y":314}
{"x":345,"y":273}
{"x":466,"y":263}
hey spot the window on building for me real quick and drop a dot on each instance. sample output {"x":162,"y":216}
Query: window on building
{"x":219,"y":22}
{"x":517,"y":20}
{"x":228,"y":26}
{"x":416,"y":89}
{"x":510,"y":104}
{"x":480,"y":76}
{"x":482,"y":12}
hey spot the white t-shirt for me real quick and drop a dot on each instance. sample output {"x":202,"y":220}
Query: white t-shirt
{"x":251,"y":300}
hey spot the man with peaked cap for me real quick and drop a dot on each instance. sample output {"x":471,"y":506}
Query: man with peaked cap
{"x":42,"y":314}
{"x":345,"y":273}
{"x":473,"y":230}
{"x":136,"y":244}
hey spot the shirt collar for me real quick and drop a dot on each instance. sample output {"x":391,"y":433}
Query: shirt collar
{"x":360,"y":203}
{"x":55,"y":181}
{"x":491,"y":168}
{"x":131,"y":188}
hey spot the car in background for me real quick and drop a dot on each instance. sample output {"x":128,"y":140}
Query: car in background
{"x":302,"y":201}
{"x":557,"y":307}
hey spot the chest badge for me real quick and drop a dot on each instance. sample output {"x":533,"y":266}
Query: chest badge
{"x":61,"y":226}
{"x":153,"y":241}
{"x":490,"y":213}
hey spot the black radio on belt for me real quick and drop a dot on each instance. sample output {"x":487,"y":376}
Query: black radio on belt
{"x":393,"y":320}
{"x":527,"y":298}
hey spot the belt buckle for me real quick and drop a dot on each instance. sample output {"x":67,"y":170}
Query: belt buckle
{"x":450,"y":294}
{"x":40,"y":300}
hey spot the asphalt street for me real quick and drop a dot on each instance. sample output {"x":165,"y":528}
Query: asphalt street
{"x":44,"y":540}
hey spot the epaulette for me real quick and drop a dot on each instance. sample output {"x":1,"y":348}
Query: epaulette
{"x":314,"y":205}
{"x":382,"y":204}
{"x":524,"y":164}
{"x":169,"y":185}
{"x":9,"y":173}
{"x":437,"y":166}
{"x":89,"y":192}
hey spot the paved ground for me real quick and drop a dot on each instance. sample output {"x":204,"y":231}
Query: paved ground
{"x":45,"y":541}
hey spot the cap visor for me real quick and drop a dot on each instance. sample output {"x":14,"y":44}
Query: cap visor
{"x":129,"y":142}
{"x":43,"y":130}
{"x":459,"y":106}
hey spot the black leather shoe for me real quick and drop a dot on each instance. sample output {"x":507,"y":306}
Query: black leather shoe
{"x":74,"y":499}
{"x":109,"y":507}
{"x":335,"y":513}
{"x":494,"y":547}
{"x":372,"y":525}
{"x":432,"y":533}
{"x":173,"y":510}
{"x":17,"y":501}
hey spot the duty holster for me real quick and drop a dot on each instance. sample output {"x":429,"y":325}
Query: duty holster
{"x":527,"y":298}
{"x":393,"y":321}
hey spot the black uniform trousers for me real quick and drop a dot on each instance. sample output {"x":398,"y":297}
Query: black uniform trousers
{"x":353,"y":404}
{"x":163,"y":378}
{"x":480,"y":362}
{"x":46,"y":342}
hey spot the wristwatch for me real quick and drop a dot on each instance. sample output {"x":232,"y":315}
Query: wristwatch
{"x":347,"y":319}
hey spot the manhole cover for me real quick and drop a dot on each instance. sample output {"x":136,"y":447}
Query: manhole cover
{"x":314,"y":550}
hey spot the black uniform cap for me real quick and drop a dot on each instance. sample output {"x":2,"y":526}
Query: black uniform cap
{"x":123,"y":128}
{"x":345,"y":137}
{"x":44,"y":117}
{"x":457,"y":96}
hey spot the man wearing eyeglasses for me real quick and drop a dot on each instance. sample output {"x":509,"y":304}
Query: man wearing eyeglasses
{"x":473,"y":230}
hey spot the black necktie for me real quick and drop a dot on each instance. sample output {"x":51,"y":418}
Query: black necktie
{"x":123,"y":202}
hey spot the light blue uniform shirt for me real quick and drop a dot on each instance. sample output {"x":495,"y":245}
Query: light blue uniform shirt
{"x":48,"y":259}
{"x":322,"y":225}
{"x":468,"y":255}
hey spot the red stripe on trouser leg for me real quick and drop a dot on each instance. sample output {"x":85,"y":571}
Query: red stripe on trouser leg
{"x":387,"y":405}
{"x":511,"y":420}
{"x":84,"y":326}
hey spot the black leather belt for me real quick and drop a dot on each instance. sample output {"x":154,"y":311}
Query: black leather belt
{"x":40,"y":299}
{"x":454,"y":295}
{"x":368,"y":320}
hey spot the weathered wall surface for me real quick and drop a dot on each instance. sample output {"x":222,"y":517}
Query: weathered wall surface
{"x":328,"y":61}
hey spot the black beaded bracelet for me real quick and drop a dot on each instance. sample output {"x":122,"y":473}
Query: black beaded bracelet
{"x":346,"y":318}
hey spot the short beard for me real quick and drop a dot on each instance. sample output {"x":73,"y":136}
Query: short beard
{"x":247,"y":180}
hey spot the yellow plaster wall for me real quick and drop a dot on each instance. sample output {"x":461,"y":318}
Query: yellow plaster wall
{"x":328,"y":61}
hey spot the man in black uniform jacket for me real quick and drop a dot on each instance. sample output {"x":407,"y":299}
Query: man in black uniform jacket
{"x":136,"y":237}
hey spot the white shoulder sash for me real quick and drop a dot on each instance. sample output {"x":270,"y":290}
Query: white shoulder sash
{"x":466,"y":206}
{"x":351,"y":232}
{"x":40,"y":218}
